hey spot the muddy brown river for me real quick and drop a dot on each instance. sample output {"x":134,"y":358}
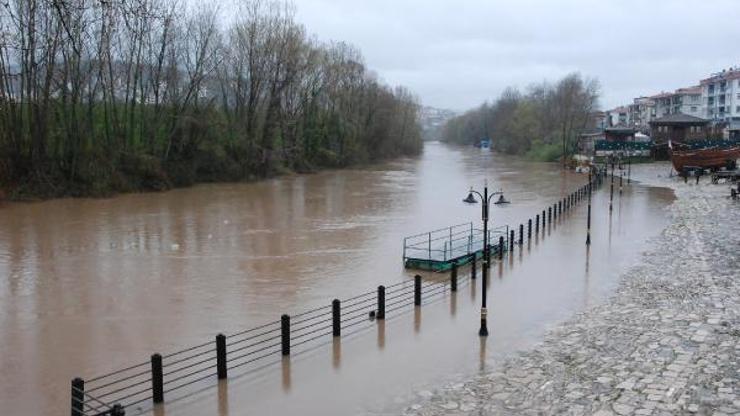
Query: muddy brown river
{"x":92,"y":285}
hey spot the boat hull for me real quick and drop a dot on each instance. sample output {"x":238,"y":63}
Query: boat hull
{"x":713,"y":158}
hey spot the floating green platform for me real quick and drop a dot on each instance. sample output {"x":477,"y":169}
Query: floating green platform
{"x":438,"y":250}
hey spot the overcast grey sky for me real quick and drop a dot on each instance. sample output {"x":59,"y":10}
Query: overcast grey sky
{"x":456,"y":54}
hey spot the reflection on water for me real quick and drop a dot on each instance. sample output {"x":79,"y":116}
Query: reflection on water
{"x":336,"y":352}
{"x":92,"y":285}
{"x":285,"y":365}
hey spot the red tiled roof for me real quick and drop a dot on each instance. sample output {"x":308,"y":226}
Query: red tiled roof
{"x":725,"y":75}
{"x":689,"y":90}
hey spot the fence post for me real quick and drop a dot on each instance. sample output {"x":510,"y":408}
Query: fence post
{"x":157,"y":379}
{"x":381,"y":303}
{"x":588,"y":226}
{"x":117,"y":410}
{"x":336,"y":318}
{"x":285,"y":334}
{"x":429,"y":247}
{"x":611,"y":192}
{"x":221,"y":356}
{"x":511,"y":241}
{"x":78,"y":396}
{"x":453,"y":278}
{"x":529,"y":229}
{"x":417,"y":290}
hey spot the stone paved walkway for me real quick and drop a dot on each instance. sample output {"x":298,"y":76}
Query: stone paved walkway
{"x":667,"y":342}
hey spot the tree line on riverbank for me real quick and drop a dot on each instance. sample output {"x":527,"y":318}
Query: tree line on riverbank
{"x":106,"y":96}
{"x":542,"y":123}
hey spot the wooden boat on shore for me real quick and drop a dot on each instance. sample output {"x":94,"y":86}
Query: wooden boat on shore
{"x":710,"y":157}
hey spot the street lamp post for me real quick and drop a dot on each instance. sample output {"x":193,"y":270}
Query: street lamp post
{"x":485,"y":199}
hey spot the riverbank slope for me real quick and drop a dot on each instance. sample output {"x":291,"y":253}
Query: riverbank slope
{"x":667,"y":342}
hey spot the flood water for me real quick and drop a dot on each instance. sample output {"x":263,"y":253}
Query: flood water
{"x":93,"y":285}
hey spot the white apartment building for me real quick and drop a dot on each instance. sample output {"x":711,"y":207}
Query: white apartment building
{"x":721,"y":95}
{"x":641,"y":111}
{"x":683,"y":100}
{"x":617,"y":117}
{"x":721,"y":99}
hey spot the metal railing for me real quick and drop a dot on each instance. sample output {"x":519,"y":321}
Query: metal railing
{"x":154,"y":380}
{"x":163,"y":374}
{"x":450,"y":243}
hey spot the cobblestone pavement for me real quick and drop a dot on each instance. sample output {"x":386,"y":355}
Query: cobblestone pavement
{"x":667,"y":342}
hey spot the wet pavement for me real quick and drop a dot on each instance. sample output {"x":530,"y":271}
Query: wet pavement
{"x":666,"y":342}
{"x":90,"y":286}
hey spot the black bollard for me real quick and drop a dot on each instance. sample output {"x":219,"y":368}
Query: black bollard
{"x":511,"y":241}
{"x":588,"y":226}
{"x":620,"y":183}
{"x":117,"y":410}
{"x":78,"y":397}
{"x":611,"y":194}
{"x":157,"y":379}
{"x":417,"y":290}
{"x":472,"y":267}
{"x":500,"y":247}
{"x":537,"y":224}
{"x":285,"y":334}
{"x":380,"y":314}
{"x":336,"y":318}
{"x":221,"y":356}
{"x":453,"y":278}
{"x":529,"y":229}
{"x":521,"y":234}
{"x":549,"y":215}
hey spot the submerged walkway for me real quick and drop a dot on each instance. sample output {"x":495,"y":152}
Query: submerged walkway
{"x":667,"y":342}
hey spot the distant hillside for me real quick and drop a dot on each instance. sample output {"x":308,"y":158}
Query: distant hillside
{"x":432,"y":120}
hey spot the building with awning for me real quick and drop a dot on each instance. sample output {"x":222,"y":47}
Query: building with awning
{"x":614,"y":141}
{"x":677,"y":127}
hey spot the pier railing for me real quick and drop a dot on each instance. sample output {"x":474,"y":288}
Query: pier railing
{"x":437,"y":250}
{"x":163,"y":375}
